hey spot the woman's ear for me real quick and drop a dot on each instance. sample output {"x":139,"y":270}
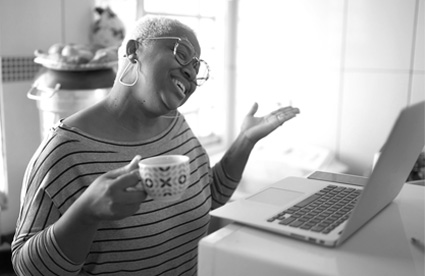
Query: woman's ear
{"x":131,"y":50}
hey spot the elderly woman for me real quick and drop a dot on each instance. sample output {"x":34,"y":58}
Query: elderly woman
{"x":78,"y":215}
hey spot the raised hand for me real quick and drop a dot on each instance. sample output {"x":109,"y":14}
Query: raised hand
{"x":256,"y":128}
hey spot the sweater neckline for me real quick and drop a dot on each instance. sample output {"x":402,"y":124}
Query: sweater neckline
{"x":76,"y":131}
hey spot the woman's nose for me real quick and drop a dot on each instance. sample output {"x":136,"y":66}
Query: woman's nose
{"x":189,"y":71}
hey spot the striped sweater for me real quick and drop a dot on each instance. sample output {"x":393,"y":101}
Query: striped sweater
{"x":159,"y":239}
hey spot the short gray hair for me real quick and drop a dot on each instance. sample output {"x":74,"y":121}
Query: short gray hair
{"x":152,"y":26}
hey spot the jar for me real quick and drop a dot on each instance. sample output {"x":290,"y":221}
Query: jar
{"x":60,"y":93}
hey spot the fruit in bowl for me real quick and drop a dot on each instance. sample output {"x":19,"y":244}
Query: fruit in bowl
{"x":61,"y":55}
{"x":69,"y":51}
{"x":77,"y":54}
{"x":56,"y":48}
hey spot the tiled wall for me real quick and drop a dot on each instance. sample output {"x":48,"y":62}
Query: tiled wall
{"x":350,"y":66}
{"x":16,"y":69}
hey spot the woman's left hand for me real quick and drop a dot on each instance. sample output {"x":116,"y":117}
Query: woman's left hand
{"x":256,"y":128}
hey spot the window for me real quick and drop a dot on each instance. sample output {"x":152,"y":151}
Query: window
{"x":207,"y":110}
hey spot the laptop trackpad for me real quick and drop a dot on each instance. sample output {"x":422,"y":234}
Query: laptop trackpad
{"x":275,"y":196}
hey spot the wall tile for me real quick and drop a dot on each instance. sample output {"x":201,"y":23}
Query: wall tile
{"x":36,"y":25}
{"x":419,"y":63}
{"x":24,"y":27}
{"x":78,"y":19}
{"x":379,"y":34}
{"x":370,"y":106}
{"x":22,"y":137}
{"x":418,"y":88}
{"x":16,"y":69}
{"x":292,"y":55}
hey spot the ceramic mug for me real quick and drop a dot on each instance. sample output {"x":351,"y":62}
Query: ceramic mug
{"x":165,"y":177}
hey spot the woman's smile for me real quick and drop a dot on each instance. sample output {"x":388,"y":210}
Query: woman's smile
{"x":180,"y":86}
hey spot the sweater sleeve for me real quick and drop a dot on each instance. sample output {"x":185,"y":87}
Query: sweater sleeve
{"x":34,"y":249}
{"x":222,"y":186}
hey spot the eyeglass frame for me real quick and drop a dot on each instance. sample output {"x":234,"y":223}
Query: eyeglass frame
{"x":198,"y":60}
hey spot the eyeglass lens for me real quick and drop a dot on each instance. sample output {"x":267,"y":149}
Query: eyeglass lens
{"x":185,"y":54}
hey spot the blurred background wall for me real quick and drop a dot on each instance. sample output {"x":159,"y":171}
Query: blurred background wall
{"x":350,"y":66}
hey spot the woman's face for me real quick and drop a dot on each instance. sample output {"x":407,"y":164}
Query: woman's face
{"x":164,"y":84}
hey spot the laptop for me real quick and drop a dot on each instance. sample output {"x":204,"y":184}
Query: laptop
{"x":328,"y":211}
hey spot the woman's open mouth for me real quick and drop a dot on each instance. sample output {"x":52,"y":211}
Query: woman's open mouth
{"x":180,"y":86}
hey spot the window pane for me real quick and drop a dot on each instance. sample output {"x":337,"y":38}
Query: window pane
{"x":208,"y":33}
{"x":192,"y":22}
{"x":182,"y":7}
{"x":190,"y":7}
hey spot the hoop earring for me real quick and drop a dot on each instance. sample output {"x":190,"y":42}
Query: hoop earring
{"x":125,"y":71}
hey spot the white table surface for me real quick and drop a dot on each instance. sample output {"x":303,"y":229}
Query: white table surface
{"x":381,"y":247}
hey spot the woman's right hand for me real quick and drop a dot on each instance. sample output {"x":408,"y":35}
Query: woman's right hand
{"x":112,"y":195}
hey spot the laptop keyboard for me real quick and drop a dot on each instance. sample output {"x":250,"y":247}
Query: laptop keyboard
{"x":322,"y":211}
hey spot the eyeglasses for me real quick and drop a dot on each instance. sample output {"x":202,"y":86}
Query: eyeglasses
{"x":185,"y":53}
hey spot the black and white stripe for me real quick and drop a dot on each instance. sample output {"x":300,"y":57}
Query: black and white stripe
{"x":159,"y":239}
